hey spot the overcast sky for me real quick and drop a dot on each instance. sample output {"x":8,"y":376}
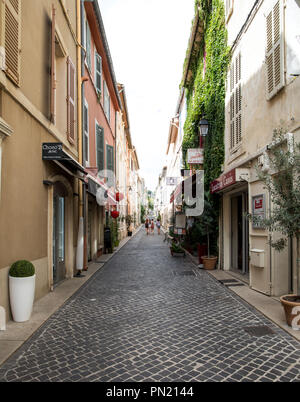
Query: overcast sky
{"x":148,"y":41}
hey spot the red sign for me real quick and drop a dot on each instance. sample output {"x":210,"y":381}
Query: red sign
{"x":226,"y":180}
{"x":258,"y":204}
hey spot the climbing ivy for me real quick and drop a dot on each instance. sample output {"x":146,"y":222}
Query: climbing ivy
{"x":205,"y":92}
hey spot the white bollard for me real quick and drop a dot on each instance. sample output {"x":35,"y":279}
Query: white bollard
{"x":2,"y":319}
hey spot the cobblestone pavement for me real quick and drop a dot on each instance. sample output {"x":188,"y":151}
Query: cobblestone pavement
{"x":147,"y":316}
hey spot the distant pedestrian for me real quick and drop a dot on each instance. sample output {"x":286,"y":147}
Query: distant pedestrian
{"x":147,"y":226}
{"x":158,"y":226}
{"x":152,"y":226}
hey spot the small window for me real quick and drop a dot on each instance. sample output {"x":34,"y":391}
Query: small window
{"x":106,"y":104}
{"x":86,"y":131}
{"x":98,"y":72}
{"x":88,"y":45}
{"x":100,"y":147}
{"x":110,"y":158}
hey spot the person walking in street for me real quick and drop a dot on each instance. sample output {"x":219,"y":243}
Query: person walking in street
{"x":147,"y":226}
{"x":152,"y":226}
{"x":158,"y":226}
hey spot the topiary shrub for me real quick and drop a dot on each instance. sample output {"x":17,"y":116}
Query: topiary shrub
{"x":22,"y":269}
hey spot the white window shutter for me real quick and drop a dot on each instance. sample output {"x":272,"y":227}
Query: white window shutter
{"x":275,"y":76}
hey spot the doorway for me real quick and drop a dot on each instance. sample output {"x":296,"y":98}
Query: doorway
{"x":59,"y":233}
{"x":240,"y":233}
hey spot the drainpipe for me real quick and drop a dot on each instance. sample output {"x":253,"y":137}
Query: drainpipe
{"x":270,"y":251}
{"x":80,"y":238}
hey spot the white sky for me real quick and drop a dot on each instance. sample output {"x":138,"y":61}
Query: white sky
{"x":148,"y":41}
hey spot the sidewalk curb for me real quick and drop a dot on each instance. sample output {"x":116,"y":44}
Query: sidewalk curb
{"x":16,"y":334}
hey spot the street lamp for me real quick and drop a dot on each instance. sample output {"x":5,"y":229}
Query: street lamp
{"x":203,"y":127}
{"x":203,"y":131}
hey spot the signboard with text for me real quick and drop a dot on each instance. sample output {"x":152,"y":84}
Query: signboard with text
{"x":195,"y":156}
{"x":258,"y":210}
{"x":52,"y":150}
{"x":226,"y":180}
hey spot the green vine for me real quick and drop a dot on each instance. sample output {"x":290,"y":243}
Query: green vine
{"x":205,"y":91}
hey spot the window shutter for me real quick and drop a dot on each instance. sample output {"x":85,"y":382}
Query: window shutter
{"x":106,"y":102}
{"x":88,"y":46}
{"x":98,"y":72}
{"x":71,"y":101}
{"x":53,"y":74}
{"x":235,"y":102}
{"x":275,"y":78}
{"x":12,"y":39}
{"x":100,"y":147}
{"x":86,"y":131}
{"x":110,"y":158}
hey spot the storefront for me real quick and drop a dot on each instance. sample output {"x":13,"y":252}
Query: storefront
{"x":63,"y":174}
{"x":244,"y":247}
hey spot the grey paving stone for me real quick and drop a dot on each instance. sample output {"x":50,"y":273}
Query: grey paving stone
{"x":147,"y":324}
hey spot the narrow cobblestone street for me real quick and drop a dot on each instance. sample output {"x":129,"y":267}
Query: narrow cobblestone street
{"x":146,"y":316}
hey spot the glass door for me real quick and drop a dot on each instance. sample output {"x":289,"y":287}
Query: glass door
{"x":59,"y":269}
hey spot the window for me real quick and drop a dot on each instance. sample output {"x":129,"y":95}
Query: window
{"x":12,"y":39}
{"x":106,"y":105}
{"x":86,"y":131}
{"x":110,"y":158}
{"x":235,"y":102}
{"x":71,"y":85}
{"x":98,"y":72}
{"x":88,"y":45}
{"x":99,"y":147}
{"x":275,"y":79}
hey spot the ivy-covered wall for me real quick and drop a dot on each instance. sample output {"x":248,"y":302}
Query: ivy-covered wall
{"x":205,"y":94}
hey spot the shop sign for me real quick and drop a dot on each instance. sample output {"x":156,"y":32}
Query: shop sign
{"x":195,"y":156}
{"x":52,"y":150}
{"x":171,"y":181}
{"x":226,"y":180}
{"x":258,"y":210}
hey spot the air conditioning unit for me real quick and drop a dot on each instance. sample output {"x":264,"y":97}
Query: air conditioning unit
{"x":2,"y":58}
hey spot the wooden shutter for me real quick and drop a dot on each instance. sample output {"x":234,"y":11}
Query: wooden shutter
{"x":275,"y":78}
{"x":88,"y":46}
{"x":235,"y":102}
{"x":71,"y":101}
{"x":110,"y":158}
{"x":98,"y":72}
{"x":100,"y":147}
{"x":12,"y":39}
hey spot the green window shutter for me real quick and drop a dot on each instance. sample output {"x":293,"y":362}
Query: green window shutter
{"x":110,"y":158}
{"x":100,"y":147}
{"x":88,"y":46}
{"x":98,"y":72}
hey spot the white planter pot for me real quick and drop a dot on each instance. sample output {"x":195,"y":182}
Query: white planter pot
{"x":21,"y":293}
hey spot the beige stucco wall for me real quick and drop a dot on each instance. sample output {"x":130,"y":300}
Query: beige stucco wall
{"x":259,"y":118}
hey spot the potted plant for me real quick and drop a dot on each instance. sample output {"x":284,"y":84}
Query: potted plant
{"x":21,"y":289}
{"x":208,"y":227}
{"x":176,"y":250}
{"x":281,"y":179}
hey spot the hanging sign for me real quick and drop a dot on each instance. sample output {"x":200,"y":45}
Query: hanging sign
{"x":195,"y":156}
{"x":52,"y":150}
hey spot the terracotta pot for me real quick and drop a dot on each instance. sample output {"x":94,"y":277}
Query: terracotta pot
{"x":209,"y":262}
{"x":291,"y":305}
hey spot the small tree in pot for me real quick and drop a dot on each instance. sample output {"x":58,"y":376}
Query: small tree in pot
{"x":208,"y":224}
{"x":282,"y":180}
{"x":129,"y":220}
